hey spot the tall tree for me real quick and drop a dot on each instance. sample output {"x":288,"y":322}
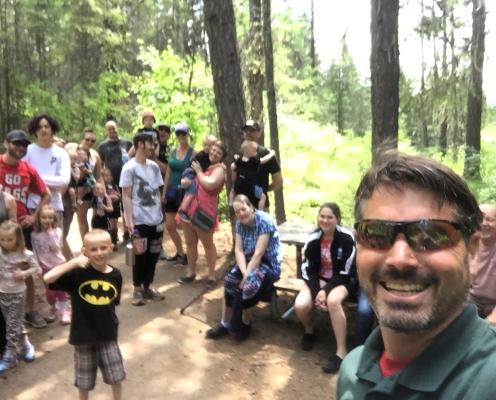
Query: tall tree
{"x":313,"y":56}
{"x":229,"y":99}
{"x":385,"y":73}
{"x":255,"y":62}
{"x":271,"y":102}
{"x":474,"y":99}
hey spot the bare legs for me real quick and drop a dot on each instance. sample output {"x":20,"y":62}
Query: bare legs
{"x":170,"y":224}
{"x":304,"y":306}
{"x":82,"y":217}
{"x":192,"y":235}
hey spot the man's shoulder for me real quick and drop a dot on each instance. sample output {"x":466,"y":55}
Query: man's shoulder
{"x":347,"y":378}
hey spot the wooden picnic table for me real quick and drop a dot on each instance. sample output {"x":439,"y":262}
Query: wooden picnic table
{"x":295,"y":232}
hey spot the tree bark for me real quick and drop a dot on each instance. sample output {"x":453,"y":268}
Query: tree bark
{"x":385,"y":72}
{"x":226,"y":71}
{"x":313,"y":56}
{"x":271,"y":103}
{"x":255,"y":63}
{"x":474,"y":99}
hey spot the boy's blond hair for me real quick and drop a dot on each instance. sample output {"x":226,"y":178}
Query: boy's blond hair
{"x":249,"y":144}
{"x":97,"y":234}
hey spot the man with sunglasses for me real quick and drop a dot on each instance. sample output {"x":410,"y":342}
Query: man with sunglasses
{"x":20,"y":179}
{"x":417,"y":226}
{"x":483,"y":267}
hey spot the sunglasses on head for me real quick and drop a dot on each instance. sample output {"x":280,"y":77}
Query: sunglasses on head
{"x":421,"y":235}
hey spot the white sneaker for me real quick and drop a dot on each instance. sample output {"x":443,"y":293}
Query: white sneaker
{"x":64,"y":313}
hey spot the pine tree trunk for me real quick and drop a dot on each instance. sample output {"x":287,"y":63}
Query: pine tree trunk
{"x":271,"y":103}
{"x":474,"y":99}
{"x":220,"y":25}
{"x":385,"y":72}
{"x":313,"y":56}
{"x":255,"y":63}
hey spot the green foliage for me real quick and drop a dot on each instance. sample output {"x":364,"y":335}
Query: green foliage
{"x":176,"y":91}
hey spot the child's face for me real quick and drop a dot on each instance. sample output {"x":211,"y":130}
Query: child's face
{"x":82,"y":156}
{"x":47,"y":218}
{"x":249,"y":151}
{"x":98,"y":250}
{"x":8,"y":239}
{"x":207,"y":145}
{"x":107,"y":177}
{"x":98,"y":191}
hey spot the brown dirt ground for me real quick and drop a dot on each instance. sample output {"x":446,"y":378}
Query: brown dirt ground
{"x":166,"y":355}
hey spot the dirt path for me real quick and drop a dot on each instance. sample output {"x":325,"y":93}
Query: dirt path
{"x":167,"y":357}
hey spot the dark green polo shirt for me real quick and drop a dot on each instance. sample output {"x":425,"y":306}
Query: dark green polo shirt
{"x":460,"y":364}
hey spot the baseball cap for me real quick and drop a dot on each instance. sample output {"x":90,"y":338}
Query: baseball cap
{"x":163,"y":126}
{"x":17,"y":136}
{"x":147,"y":113}
{"x":181,"y":127}
{"x":251,"y":124}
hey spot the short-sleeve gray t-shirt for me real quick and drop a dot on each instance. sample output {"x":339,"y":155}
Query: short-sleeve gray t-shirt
{"x":145,"y":180}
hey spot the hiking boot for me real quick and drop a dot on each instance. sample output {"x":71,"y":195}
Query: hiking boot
{"x":153,"y":294}
{"x":28,"y":352}
{"x":217,"y":332}
{"x":7,"y":362}
{"x":138,"y":299}
{"x":331,"y":366}
{"x":184,"y":217}
{"x":243,"y":333}
{"x":308,"y":341}
{"x":34,"y":319}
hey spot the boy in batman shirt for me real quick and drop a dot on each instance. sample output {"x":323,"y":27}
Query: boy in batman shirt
{"x":95,"y":289}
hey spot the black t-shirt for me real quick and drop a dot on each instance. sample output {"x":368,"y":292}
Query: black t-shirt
{"x":272,"y":167}
{"x":163,"y":153}
{"x":113,"y":155}
{"x":246,"y":177}
{"x":94,"y":296}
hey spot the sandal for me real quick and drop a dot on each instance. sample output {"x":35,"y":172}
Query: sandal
{"x":186,"y":279}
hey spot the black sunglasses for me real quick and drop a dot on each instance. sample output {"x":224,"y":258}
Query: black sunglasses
{"x":421,"y":235}
{"x":20,"y":143}
{"x":181,"y":133}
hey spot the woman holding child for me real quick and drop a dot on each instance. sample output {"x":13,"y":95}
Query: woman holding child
{"x":204,"y":203}
{"x":329,"y":272}
{"x":90,"y":167}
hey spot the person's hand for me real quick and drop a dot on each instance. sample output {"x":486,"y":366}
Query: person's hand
{"x":81,"y":261}
{"x":27,"y":220}
{"x":185,"y":183}
{"x":320,"y":301}
{"x":196,"y":166}
{"x":130,"y":227}
{"x":23,"y":265}
{"x":19,"y":275}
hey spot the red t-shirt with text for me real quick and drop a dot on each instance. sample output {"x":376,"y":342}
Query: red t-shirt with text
{"x":20,"y":180}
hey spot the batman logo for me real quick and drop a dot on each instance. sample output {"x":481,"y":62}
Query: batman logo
{"x":97,"y":293}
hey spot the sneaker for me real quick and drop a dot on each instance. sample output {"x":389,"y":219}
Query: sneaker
{"x":184,"y":217}
{"x":308,"y":341}
{"x":152,"y":294}
{"x":28,"y":352}
{"x":7,"y":362}
{"x":163,"y":255}
{"x":138,"y":299}
{"x":331,"y":366}
{"x":243,"y":333}
{"x":34,"y":319}
{"x":64,"y":313}
{"x":186,"y":279}
{"x":217,"y":332}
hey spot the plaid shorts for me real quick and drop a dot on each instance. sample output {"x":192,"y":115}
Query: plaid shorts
{"x":107,"y":356}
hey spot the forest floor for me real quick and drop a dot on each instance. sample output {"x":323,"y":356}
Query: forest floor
{"x":166,"y":354}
